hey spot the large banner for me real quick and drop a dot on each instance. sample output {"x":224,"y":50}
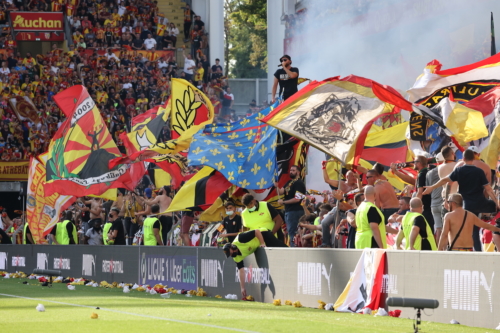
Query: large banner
{"x":42,"y":212}
{"x":37,"y":21}
{"x":14,"y":171}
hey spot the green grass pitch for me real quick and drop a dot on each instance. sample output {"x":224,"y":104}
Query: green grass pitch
{"x":70,"y":311}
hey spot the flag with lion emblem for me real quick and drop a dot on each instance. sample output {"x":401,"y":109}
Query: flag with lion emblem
{"x":332,"y":115}
{"x":80,"y":151}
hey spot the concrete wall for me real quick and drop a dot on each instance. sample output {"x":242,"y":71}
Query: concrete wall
{"x":464,"y":283}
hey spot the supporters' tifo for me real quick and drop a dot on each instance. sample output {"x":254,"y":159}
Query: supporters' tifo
{"x":124,"y":147}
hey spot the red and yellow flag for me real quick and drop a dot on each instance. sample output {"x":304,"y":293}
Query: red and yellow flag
{"x":42,"y":212}
{"x":80,"y":151}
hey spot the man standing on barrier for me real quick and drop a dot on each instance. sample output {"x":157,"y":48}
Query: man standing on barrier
{"x":244,"y":245}
{"x":416,"y":230}
{"x":153,"y":228}
{"x":64,"y":232}
{"x":294,"y":191}
{"x":370,"y":232}
{"x":260,"y":215}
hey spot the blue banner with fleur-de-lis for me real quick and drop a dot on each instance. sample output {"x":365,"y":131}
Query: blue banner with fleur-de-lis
{"x":243,"y":151}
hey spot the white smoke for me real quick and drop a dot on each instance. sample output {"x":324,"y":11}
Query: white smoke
{"x":390,"y":41}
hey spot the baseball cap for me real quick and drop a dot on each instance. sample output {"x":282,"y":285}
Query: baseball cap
{"x":148,"y":192}
{"x":474,"y":149}
{"x":286,"y":56}
{"x":439,"y":158}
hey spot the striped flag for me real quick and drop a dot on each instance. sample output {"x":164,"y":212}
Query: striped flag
{"x":200,"y":192}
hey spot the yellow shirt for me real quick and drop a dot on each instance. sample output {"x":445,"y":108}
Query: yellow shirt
{"x":199,"y":74}
{"x":102,"y":96}
{"x":142,"y":100}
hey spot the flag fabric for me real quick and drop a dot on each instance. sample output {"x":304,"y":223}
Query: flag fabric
{"x":385,"y":147}
{"x":243,"y":151}
{"x":302,"y":80}
{"x":24,"y":109}
{"x":80,"y":151}
{"x":332,"y":115}
{"x":146,"y":129}
{"x":364,"y":289}
{"x":190,"y":111}
{"x":466,"y":85}
{"x":159,"y":177}
{"x":42,"y":212}
{"x":200,"y":192}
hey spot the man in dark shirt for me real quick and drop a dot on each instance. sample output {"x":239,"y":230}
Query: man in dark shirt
{"x":4,"y":238}
{"x":294,"y":191}
{"x":232,"y":222}
{"x":472,"y":184}
{"x":421,"y":166}
{"x":117,"y":230}
{"x":287,"y":77}
{"x":216,"y":67}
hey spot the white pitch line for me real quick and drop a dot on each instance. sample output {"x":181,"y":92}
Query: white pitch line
{"x":134,"y":314}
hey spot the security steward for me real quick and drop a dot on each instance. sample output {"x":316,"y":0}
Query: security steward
{"x":244,"y":245}
{"x":64,"y":232}
{"x":370,"y":222}
{"x":27,"y":236}
{"x":105,"y":231}
{"x":416,"y":230}
{"x":152,"y":228}
{"x":260,"y":215}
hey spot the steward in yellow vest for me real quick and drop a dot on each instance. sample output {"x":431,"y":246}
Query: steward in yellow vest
{"x":416,"y":230}
{"x":370,"y":222}
{"x":105,"y":231}
{"x":27,"y":236}
{"x":64,"y":232}
{"x":244,"y":245}
{"x":260,"y":215}
{"x":152,"y":228}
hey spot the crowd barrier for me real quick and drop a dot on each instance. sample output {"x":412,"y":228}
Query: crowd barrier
{"x":463,"y":283}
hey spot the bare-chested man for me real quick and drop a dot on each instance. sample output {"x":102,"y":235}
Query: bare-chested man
{"x":385,"y":195}
{"x":453,"y":222}
{"x":163,"y":199}
{"x":95,"y":210}
{"x":345,"y":186}
{"x":478,"y":163}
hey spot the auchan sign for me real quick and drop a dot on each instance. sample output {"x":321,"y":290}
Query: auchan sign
{"x":39,"y":21}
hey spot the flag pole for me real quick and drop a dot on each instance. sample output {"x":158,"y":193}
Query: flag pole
{"x":493,"y":45}
{"x":335,"y":243}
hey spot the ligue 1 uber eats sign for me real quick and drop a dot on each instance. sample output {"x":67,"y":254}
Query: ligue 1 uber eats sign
{"x":178,"y":271}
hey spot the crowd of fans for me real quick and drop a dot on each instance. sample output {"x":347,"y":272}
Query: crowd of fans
{"x":107,"y":57}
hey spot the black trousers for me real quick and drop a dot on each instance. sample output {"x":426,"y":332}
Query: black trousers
{"x":187,"y":28}
{"x":272,"y":241}
{"x":166,"y":225}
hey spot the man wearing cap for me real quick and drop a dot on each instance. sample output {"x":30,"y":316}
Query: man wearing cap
{"x":477,"y":162}
{"x":436,"y":197}
{"x":472,"y":184}
{"x":244,"y":245}
{"x":287,"y":77}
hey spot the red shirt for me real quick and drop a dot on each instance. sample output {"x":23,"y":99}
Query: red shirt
{"x":129,"y":101}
